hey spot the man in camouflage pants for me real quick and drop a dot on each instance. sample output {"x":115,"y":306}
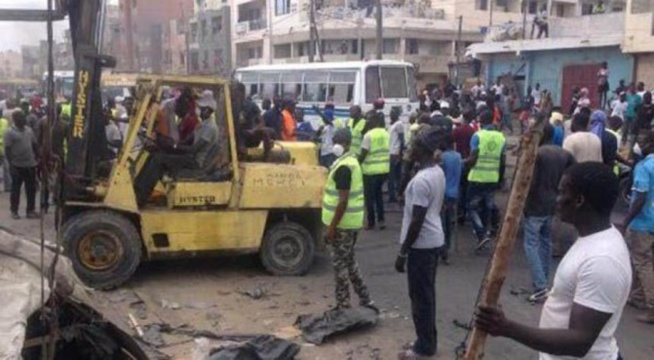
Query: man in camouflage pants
{"x":342,"y":213}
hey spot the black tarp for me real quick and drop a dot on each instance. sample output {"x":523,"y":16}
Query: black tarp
{"x":316,"y":328}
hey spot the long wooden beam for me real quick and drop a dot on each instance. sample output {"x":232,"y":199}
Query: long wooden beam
{"x":494,"y":280}
{"x":30,"y":15}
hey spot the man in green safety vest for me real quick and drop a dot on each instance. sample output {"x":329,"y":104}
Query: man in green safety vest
{"x":342,"y":214}
{"x":356,"y":124}
{"x":67,"y":108}
{"x":486,"y":162}
{"x":6,"y":178}
{"x":375,"y":161}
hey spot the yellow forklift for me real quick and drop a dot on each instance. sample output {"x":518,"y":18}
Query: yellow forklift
{"x":255,"y":206}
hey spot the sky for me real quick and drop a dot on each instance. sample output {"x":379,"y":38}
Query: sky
{"x":15,"y":34}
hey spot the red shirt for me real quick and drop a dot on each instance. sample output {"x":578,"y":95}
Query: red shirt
{"x":188,"y":124}
{"x":462,"y":135}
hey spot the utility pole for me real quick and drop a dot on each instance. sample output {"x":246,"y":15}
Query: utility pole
{"x":379,"y":35}
{"x":271,"y":47}
{"x":524,"y":19}
{"x":490,"y":17}
{"x":312,"y":30}
{"x":130,"y":35}
{"x":458,"y":52}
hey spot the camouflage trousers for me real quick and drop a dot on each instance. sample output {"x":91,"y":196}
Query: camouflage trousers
{"x":346,"y":269}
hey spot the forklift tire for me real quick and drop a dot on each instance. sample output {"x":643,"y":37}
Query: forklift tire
{"x":288,"y":249}
{"x":104,"y":247}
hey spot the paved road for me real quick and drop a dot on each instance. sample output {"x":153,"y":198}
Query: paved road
{"x":219,"y":283}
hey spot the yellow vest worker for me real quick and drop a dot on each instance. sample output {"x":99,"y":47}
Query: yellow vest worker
{"x":342,"y":214}
{"x":377,"y":161}
{"x":4,"y":127}
{"x":487,"y":148}
{"x":357,"y":134}
{"x":66,"y":109}
{"x":490,"y":149}
{"x":353,"y":217}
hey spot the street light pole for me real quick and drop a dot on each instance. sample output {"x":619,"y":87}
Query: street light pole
{"x":379,"y":35}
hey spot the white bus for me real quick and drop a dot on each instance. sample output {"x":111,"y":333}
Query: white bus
{"x":63,"y":84}
{"x":343,"y":83}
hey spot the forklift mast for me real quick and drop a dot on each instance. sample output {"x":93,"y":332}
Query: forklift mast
{"x":87,"y":143}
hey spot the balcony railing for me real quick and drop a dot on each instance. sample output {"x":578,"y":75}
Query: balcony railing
{"x":251,"y":25}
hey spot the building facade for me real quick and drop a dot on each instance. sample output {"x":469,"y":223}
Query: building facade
{"x":639,"y":38}
{"x":570,"y":57}
{"x":210,"y":46}
{"x":421,"y":32}
{"x":11,"y":64}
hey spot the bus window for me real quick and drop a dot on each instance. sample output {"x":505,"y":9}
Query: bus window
{"x":341,"y":86}
{"x":315,"y":85}
{"x":251,"y":82}
{"x":269,"y":85}
{"x":292,"y":85}
{"x":373,"y":86}
{"x":394,"y":84}
{"x":411,"y":83}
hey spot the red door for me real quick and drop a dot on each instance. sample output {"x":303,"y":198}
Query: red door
{"x":581,"y":76}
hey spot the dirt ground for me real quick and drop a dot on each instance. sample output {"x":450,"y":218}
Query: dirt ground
{"x":210,"y":294}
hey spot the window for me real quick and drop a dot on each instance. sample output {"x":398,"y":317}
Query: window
{"x":412,"y":46}
{"x":586,"y":9}
{"x":341,"y":86}
{"x":217,"y":24}
{"x":218,"y":59}
{"x":269,"y":85}
{"x":394,"y":83}
{"x":355,"y":46}
{"x":411,"y":83}
{"x":282,"y":7}
{"x":195,"y":61}
{"x":390,"y":46}
{"x":251,"y":82}
{"x":373,"y":86}
{"x":315,"y":85}
{"x":641,"y":6}
{"x":482,"y":4}
{"x":205,"y":59}
{"x":182,"y":57}
{"x":194,"y":32}
{"x":203,"y":30}
{"x":291,"y":85}
{"x":532,"y":7}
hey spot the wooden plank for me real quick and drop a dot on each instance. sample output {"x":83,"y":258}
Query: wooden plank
{"x":492,"y":284}
{"x":29,"y":15}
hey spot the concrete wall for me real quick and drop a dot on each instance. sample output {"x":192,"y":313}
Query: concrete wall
{"x":546,"y":67}
{"x":645,"y":69}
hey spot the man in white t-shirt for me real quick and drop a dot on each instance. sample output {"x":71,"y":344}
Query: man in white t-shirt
{"x":535,"y":93}
{"x":396,"y":133}
{"x":593,"y":280}
{"x":422,"y":238}
{"x":582,"y":144}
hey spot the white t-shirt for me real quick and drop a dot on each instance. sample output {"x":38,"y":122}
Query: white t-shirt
{"x":536,"y":95}
{"x":426,"y":189}
{"x":113,"y":134}
{"x":595,"y":273}
{"x":396,"y":133}
{"x":327,"y":140}
{"x":584,"y":146}
{"x":619,"y":108}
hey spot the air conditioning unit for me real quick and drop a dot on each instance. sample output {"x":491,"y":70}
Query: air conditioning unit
{"x":242,"y":27}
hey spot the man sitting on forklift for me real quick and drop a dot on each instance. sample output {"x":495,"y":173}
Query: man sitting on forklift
{"x":192,"y":158}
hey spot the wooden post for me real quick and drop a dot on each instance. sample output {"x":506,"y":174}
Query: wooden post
{"x":494,"y":280}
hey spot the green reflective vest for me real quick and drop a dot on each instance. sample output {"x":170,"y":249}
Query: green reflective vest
{"x":66,"y":109}
{"x":4,"y":127}
{"x":487,"y":168}
{"x":353,"y":217}
{"x":378,"y":160}
{"x":616,"y":168}
{"x":357,"y":135}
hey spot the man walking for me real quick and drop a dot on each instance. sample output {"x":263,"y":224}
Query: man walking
{"x":20,"y":150}
{"x":356,"y":124}
{"x":396,"y":134}
{"x":551,"y":162}
{"x":582,"y":144}
{"x":342,"y":214}
{"x":640,"y":234}
{"x":422,"y":238}
{"x":592,"y":282}
{"x":375,"y":161}
{"x":6,"y":177}
{"x":486,"y":161}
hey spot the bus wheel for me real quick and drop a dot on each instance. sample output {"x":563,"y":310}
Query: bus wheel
{"x":103,"y":246}
{"x":287,"y":249}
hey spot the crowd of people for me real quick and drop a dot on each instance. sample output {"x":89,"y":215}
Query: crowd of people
{"x":453,"y":159}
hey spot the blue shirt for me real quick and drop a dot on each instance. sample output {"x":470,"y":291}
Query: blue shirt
{"x":558,"y":136}
{"x":452,"y":166}
{"x":273,"y":120}
{"x":304,"y":131}
{"x":644,"y":183}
